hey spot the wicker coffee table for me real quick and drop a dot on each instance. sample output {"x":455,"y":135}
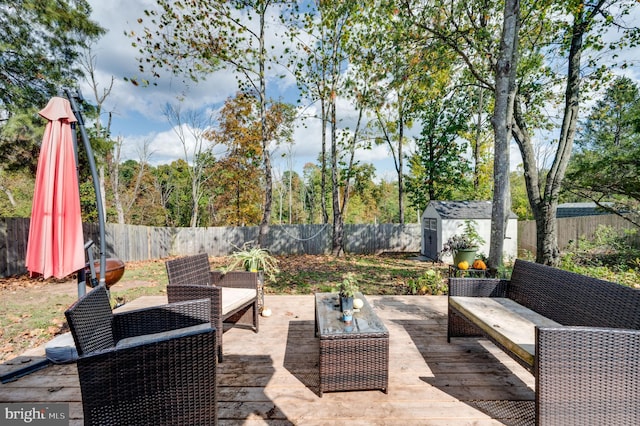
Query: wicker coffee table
{"x":354,"y":357}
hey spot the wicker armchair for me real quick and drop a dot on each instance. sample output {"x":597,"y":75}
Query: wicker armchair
{"x":148,"y":366}
{"x":234,"y":295}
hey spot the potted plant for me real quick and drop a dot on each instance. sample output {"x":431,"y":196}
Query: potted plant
{"x":347,"y":288}
{"x":259,"y":261}
{"x":254,"y":259}
{"x":347,"y":316}
{"x":463,"y":247}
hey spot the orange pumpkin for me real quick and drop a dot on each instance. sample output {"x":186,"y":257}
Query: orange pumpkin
{"x":479,"y":264}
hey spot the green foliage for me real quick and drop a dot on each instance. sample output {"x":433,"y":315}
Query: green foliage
{"x":348,"y":287}
{"x":142,"y":196}
{"x":606,"y":161}
{"x":254,"y":259}
{"x":430,"y":282}
{"x":20,"y":139}
{"x":239,"y":180}
{"x":201,"y":36}
{"x":387,"y":206}
{"x":609,"y":255}
{"x":41,"y":40}
{"x":438,"y":167}
{"x":471,"y":232}
{"x":519,"y":199}
{"x":370,"y":202}
{"x":468,"y":239}
{"x":288,"y":205}
{"x":88,"y":202}
{"x":16,"y":194}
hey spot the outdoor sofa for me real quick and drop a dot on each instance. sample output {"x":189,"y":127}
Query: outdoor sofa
{"x":579,"y":336}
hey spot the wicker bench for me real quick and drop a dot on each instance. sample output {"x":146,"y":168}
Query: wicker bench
{"x":579,"y":337}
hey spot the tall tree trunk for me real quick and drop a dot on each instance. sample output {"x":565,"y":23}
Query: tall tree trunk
{"x":502,"y":120}
{"x":290,"y":192}
{"x":239,"y":222}
{"x":323,"y":159}
{"x":195,"y":196}
{"x":400,"y":162}
{"x":476,"y":148}
{"x":338,"y":226}
{"x":114,"y":170}
{"x":547,"y":234}
{"x":103,"y":194}
{"x":352,"y":152}
{"x":88,"y":62}
{"x":544,"y":201}
{"x":547,"y":248}
{"x":266,"y":216}
{"x":113,"y":167}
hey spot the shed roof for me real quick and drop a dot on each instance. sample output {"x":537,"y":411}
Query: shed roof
{"x":581,"y":209}
{"x":465,"y":209}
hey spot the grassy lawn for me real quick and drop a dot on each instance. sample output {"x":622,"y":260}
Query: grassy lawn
{"x":382,"y":274}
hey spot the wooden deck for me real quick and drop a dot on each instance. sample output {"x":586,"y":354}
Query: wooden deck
{"x":272,"y":377}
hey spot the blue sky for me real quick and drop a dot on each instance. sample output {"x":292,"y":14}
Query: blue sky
{"x":137,"y":111}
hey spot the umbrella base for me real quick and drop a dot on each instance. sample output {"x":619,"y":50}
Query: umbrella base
{"x":29,"y":368}
{"x":114,"y":270}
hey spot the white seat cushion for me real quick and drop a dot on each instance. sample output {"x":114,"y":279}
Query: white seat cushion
{"x":234,"y":298}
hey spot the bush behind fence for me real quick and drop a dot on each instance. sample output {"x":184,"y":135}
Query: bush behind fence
{"x":571,"y":229}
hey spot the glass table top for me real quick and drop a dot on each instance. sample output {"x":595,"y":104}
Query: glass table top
{"x":329,"y":318}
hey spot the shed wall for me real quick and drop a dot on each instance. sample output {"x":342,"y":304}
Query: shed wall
{"x":448,"y":227}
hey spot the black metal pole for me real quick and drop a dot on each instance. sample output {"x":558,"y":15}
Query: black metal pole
{"x":96,"y":184}
{"x":81,"y":276}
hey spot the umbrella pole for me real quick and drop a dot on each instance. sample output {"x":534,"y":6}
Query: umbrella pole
{"x":96,"y":186}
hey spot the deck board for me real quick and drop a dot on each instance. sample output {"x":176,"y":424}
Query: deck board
{"x":271,"y":377}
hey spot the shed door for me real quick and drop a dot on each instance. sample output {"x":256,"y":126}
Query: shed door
{"x":430,"y":239}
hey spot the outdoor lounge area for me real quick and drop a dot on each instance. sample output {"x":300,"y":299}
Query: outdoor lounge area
{"x":272,"y":377}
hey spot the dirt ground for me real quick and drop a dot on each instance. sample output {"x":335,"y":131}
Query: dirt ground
{"x":25,"y":291}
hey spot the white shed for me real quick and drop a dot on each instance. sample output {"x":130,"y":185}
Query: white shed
{"x":442,"y":219}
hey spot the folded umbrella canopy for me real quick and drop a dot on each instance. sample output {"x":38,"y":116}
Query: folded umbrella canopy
{"x":55,"y":246}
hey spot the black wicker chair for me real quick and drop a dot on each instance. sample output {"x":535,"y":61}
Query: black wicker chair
{"x":147,"y":366}
{"x":234,"y":295}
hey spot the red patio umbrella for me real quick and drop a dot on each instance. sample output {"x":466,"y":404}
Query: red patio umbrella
{"x":55,"y":246}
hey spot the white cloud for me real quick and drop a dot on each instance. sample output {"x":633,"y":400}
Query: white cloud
{"x":137,"y":111}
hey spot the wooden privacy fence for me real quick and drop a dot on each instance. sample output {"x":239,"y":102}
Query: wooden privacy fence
{"x":135,"y":243}
{"x":571,"y":229}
